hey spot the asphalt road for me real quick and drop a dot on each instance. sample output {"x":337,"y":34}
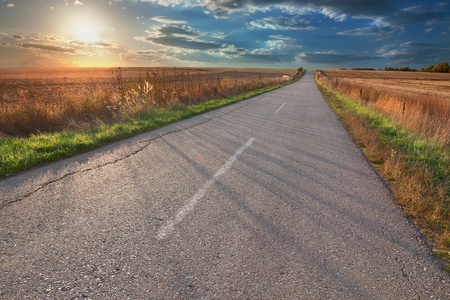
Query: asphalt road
{"x":265,"y":199}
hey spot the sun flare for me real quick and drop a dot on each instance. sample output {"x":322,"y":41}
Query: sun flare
{"x":87,"y":34}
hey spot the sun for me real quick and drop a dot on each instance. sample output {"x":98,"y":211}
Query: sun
{"x":87,"y":34}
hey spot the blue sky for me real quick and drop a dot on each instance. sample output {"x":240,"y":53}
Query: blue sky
{"x":224,"y":33}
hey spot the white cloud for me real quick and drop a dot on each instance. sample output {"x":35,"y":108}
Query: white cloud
{"x":218,"y":35}
{"x":385,"y":48}
{"x":332,"y":14}
{"x":10,"y":5}
{"x":162,"y":19}
{"x":282,"y":44}
{"x":368,"y":31}
{"x":281,"y":23}
{"x":281,"y":37}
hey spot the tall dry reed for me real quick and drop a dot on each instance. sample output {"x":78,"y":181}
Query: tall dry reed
{"x":34,"y":108}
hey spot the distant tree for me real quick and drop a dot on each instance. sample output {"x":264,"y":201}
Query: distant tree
{"x":300,"y":69}
{"x":442,"y":67}
{"x":366,"y":69}
{"x":404,"y":69}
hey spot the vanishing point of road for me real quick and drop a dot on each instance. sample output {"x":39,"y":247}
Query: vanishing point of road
{"x":268,"y":198}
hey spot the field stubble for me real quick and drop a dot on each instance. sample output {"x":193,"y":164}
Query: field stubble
{"x":49,"y":100}
{"x":418,"y":101}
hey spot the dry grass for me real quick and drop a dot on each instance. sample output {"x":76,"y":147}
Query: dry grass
{"x":418,"y":174}
{"x":419,"y":101}
{"x":48,"y":100}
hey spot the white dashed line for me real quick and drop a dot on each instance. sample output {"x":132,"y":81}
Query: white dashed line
{"x":278,"y":110}
{"x":170,"y":225}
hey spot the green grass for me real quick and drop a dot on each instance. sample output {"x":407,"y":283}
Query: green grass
{"x":17,"y":154}
{"x":417,"y":150}
{"x":417,"y":167}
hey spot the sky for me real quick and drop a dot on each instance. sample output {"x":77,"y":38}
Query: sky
{"x":320,"y":34}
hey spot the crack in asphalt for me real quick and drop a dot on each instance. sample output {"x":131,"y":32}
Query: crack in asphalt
{"x":148,"y":142}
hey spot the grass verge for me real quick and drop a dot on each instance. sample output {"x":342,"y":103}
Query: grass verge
{"x":417,"y":167}
{"x":17,"y":154}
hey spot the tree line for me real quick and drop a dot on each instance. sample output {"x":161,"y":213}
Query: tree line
{"x":442,"y":67}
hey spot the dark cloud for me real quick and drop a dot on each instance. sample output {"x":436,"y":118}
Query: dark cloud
{"x":388,"y":13}
{"x":180,"y":37}
{"x":13,"y":36}
{"x":330,"y":58}
{"x":421,"y":55}
{"x":168,"y":30}
{"x":48,"y":47}
{"x":418,"y":14}
{"x":181,"y":42}
{"x":416,"y":44}
{"x":17,"y":37}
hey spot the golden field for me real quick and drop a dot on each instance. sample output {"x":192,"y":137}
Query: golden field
{"x":419,"y":101}
{"x":46,"y":100}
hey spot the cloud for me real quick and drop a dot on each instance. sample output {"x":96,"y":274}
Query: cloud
{"x":417,"y":14}
{"x":10,"y":5}
{"x":181,"y":42}
{"x":367,"y":31}
{"x":282,"y":44}
{"x":245,"y":58}
{"x":47,"y":47}
{"x":281,"y":23}
{"x":187,"y":45}
{"x":152,"y":55}
{"x":416,"y":44}
{"x":179,"y":37}
{"x":162,"y":19}
{"x":77,"y":2}
{"x":335,"y":9}
{"x":419,"y":53}
{"x":46,"y":37}
{"x":168,"y":30}
{"x":93,"y":44}
{"x":384,"y":12}
{"x":230,"y":51}
{"x":218,"y":35}
{"x":334,"y":14}
{"x":330,"y":57}
{"x":385,"y":48}
{"x":281,"y":37}
{"x":18,"y":37}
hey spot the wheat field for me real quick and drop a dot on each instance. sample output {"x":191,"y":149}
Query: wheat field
{"x":419,"y":101}
{"x":49,"y":100}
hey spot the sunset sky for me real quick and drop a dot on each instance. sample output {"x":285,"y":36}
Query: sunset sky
{"x":224,"y":33}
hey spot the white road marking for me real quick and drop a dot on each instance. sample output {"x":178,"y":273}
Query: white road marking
{"x":170,"y":225}
{"x":278,"y":110}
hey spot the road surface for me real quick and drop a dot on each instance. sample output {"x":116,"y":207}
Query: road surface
{"x":268,"y":198}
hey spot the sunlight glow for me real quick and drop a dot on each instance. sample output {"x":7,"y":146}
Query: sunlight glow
{"x":87,"y":34}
